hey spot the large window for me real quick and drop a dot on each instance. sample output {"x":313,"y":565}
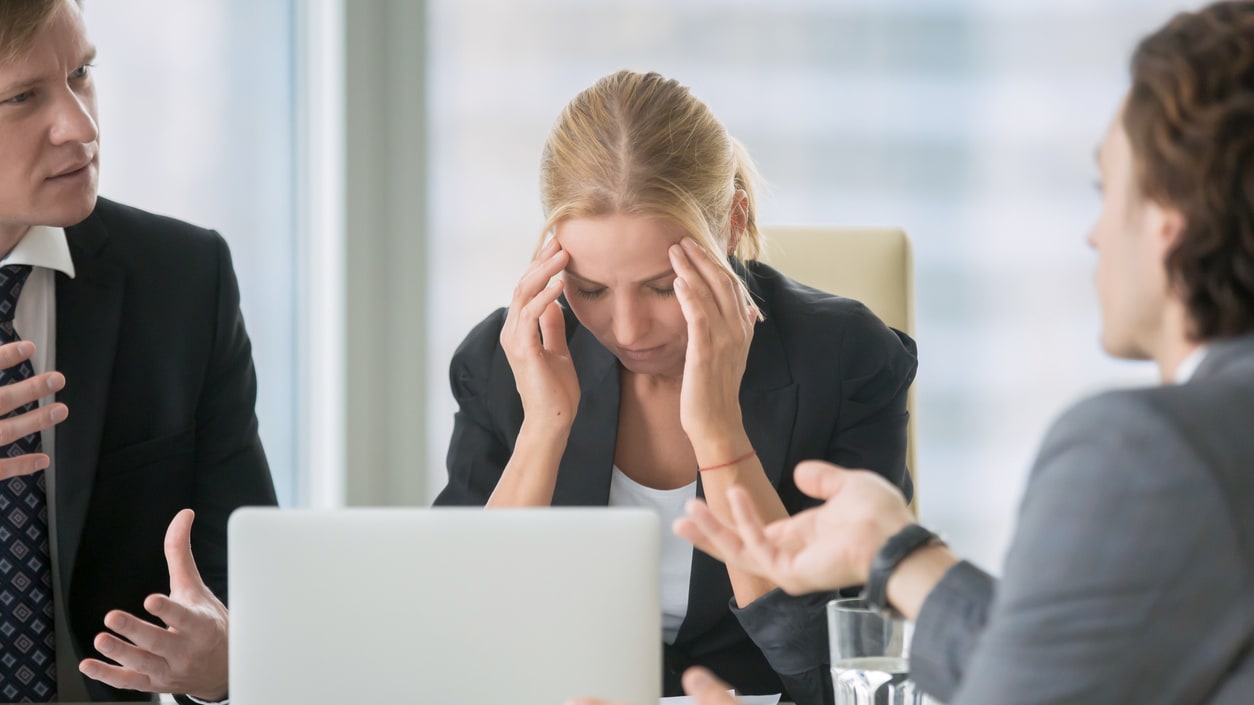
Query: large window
{"x":196,"y":113}
{"x":971,"y":124}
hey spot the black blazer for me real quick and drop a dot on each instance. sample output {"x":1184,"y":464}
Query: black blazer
{"x":825,"y":379}
{"x":161,"y":391}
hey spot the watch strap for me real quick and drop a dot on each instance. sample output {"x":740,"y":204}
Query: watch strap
{"x":890,"y":555}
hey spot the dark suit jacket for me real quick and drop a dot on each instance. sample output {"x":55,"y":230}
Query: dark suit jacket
{"x":161,"y":390}
{"x":1131,"y":575}
{"x":825,"y":379}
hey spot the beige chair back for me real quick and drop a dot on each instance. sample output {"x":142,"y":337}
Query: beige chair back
{"x":872,"y":265}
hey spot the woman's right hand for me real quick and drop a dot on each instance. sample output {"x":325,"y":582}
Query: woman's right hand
{"x":534,"y":340}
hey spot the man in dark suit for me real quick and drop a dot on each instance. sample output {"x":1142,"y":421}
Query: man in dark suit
{"x":133,"y":321}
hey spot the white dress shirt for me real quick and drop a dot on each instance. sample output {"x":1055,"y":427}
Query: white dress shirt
{"x":1188,"y":366}
{"x":48,"y":252}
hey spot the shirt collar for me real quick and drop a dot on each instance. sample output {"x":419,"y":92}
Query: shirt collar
{"x":43,"y":246}
{"x":1188,"y":366}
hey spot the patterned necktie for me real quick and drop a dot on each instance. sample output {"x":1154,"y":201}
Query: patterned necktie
{"x":28,"y":665}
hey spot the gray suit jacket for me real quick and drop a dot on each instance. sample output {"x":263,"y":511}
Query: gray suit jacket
{"x":1131,"y":574}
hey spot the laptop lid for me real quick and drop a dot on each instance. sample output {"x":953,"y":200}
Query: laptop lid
{"x":444,"y":606}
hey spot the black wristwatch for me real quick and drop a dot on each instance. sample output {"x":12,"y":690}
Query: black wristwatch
{"x":891,"y":554}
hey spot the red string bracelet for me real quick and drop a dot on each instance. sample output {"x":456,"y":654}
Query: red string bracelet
{"x":741,"y":459}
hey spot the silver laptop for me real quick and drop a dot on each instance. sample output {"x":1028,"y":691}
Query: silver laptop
{"x":444,"y":606}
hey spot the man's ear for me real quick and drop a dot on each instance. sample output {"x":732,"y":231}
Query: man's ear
{"x":1168,"y":227}
{"x":739,"y":219}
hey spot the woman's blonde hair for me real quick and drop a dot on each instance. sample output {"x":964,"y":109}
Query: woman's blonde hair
{"x":642,"y":144}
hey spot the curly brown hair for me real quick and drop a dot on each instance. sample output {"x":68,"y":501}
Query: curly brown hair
{"x":1189,"y":117}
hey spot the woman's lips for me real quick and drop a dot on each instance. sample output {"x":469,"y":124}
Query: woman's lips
{"x":640,"y":354}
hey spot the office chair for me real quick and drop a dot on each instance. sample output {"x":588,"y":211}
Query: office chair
{"x":872,"y":265}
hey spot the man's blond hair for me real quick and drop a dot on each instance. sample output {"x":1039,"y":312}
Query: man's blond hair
{"x":21,"y":20}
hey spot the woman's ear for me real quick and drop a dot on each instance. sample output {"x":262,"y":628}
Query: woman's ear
{"x":739,"y":219}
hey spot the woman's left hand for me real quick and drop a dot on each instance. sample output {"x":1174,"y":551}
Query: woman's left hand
{"x":720,"y":329}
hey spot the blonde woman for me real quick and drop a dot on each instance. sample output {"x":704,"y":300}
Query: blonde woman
{"x":647,"y":359}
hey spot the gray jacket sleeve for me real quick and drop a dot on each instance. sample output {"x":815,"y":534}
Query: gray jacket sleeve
{"x":1120,"y":582}
{"x":948,"y":627}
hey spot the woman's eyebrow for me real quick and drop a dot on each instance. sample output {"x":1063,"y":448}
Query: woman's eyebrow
{"x":646,"y":280}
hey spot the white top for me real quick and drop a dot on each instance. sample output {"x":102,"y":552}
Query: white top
{"x":676,"y":567}
{"x":47,"y":251}
{"x":1188,"y":366}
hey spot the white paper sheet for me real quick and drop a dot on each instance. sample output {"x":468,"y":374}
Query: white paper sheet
{"x":745,"y":699}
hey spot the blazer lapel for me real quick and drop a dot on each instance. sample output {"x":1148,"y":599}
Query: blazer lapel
{"x":583,"y":477}
{"x":768,"y":406}
{"x":768,"y":393}
{"x":89,"y":309}
{"x":768,"y":401}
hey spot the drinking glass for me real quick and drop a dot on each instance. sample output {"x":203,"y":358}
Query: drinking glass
{"x":870,"y":656}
